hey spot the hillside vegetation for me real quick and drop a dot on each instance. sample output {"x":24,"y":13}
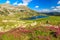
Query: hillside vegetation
{"x":12,"y":27}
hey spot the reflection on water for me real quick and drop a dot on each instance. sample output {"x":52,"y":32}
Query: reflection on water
{"x":34,"y":17}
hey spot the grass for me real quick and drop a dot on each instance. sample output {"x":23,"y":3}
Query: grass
{"x":52,"y":19}
{"x":41,"y":34}
{"x":38,"y":33}
{"x":13,"y":22}
{"x":12,"y":27}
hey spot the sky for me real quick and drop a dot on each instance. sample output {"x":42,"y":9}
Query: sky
{"x":38,"y":5}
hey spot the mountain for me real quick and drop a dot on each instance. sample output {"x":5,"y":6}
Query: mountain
{"x":52,"y":13}
{"x":23,"y":11}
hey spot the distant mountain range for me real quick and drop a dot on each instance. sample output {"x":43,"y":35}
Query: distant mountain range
{"x":53,"y":13}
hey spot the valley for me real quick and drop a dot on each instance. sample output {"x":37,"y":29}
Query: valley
{"x":22,"y":23}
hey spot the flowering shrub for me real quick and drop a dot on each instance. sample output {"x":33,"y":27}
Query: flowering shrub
{"x":37,"y":33}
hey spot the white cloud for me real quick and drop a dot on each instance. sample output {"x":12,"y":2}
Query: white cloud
{"x":36,"y":6}
{"x":8,"y":1}
{"x":15,"y":3}
{"x":58,"y":2}
{"x":53,"y":9}
{"x":56,"y":10}
{"x":25,"y":2}
{"x":58,"y":7}
{"x":22,"y":4}
{"x":44,"y":10}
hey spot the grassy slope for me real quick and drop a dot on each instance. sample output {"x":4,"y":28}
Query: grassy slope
{"x":54,"y":20}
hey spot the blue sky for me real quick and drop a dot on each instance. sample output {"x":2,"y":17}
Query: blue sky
{"x":38,"y":5}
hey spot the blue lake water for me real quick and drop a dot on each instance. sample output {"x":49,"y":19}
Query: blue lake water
{"x":35,"y":17}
